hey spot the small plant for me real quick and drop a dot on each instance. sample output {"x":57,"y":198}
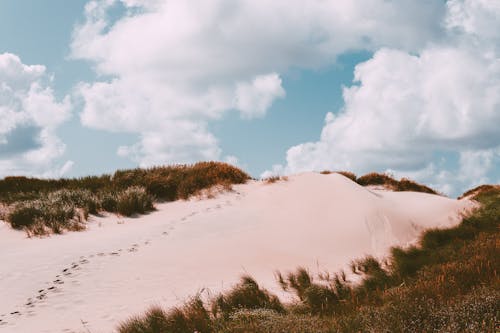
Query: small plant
{"x":109,"y":202}
{"x":24,"y":215}
{"x":134,"y":200}
{"x":246,"y":295}
{"x":274,"y":179}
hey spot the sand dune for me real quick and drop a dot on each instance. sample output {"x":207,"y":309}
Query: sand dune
{"x":89,"y":281}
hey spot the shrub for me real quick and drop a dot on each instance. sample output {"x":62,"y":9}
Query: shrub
{"x":39,"y":216}
{"x":109,"y":202}
{"x":76,"y":197}
{"x":134,"y":200}
{"x":23,"y":215}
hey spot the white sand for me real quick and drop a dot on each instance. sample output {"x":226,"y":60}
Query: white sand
{"x":121,"y":266}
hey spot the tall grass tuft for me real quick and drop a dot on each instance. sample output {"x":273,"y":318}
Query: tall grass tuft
{"x":134,"y":200}
{"x":246,"y":295}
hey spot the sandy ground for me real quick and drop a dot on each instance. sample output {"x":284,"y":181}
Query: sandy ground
{"x":90,"y":281}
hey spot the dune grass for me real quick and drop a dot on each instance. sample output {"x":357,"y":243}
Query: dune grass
{"x":43,"y":206}
{"x":449,"y":283}
{"x":386,"y":180}
{"x":274,"y":179}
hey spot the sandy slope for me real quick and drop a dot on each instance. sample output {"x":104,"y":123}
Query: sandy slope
{"x":89,"y":281}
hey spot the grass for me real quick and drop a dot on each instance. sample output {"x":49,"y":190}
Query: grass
{"x":43,"y":206}
{"x":449,"y":283}
{"x":274,"y":179}
{"x":374,"y":178}
{"x":403,"y":184}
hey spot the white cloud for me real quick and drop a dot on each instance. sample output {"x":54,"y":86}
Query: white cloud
{"x":406,"y":110}
{"x":176,"y":62}
{"x":29,"y":115}
{"x":253,"y":99}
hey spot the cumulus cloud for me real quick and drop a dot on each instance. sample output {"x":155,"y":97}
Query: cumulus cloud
{"x":173,"y":65}
{"x":29,"y":115}
{"x":405,"y":111}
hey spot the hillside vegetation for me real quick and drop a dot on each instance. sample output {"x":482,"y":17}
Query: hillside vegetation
{"x":389,"y":182}
{"x":448,"y":283}
{"x":42,"y":206}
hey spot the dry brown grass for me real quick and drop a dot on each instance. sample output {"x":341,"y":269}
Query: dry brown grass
{"x":274,"y":179}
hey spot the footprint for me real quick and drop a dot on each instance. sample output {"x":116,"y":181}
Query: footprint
{"x":114,"y":253}
{"x":101,"y":254}
{"x":164,"y":233}
{"x":58,"y":281}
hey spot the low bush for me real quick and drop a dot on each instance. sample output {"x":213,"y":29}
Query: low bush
{"x":134,"y":200}
{"x":39,"y":217}
{"x":24,"y":215}
{"x":109,"y":202}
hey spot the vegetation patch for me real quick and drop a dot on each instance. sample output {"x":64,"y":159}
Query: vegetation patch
{"x":404,"y":184}
{"x":42,"y":206}
{"x":274,"y":179}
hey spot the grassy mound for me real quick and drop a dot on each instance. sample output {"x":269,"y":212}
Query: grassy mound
{"x":449,"y":283}
{"x":42,"y":206}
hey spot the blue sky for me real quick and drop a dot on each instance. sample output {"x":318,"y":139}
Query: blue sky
{"x":408,"y":87}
